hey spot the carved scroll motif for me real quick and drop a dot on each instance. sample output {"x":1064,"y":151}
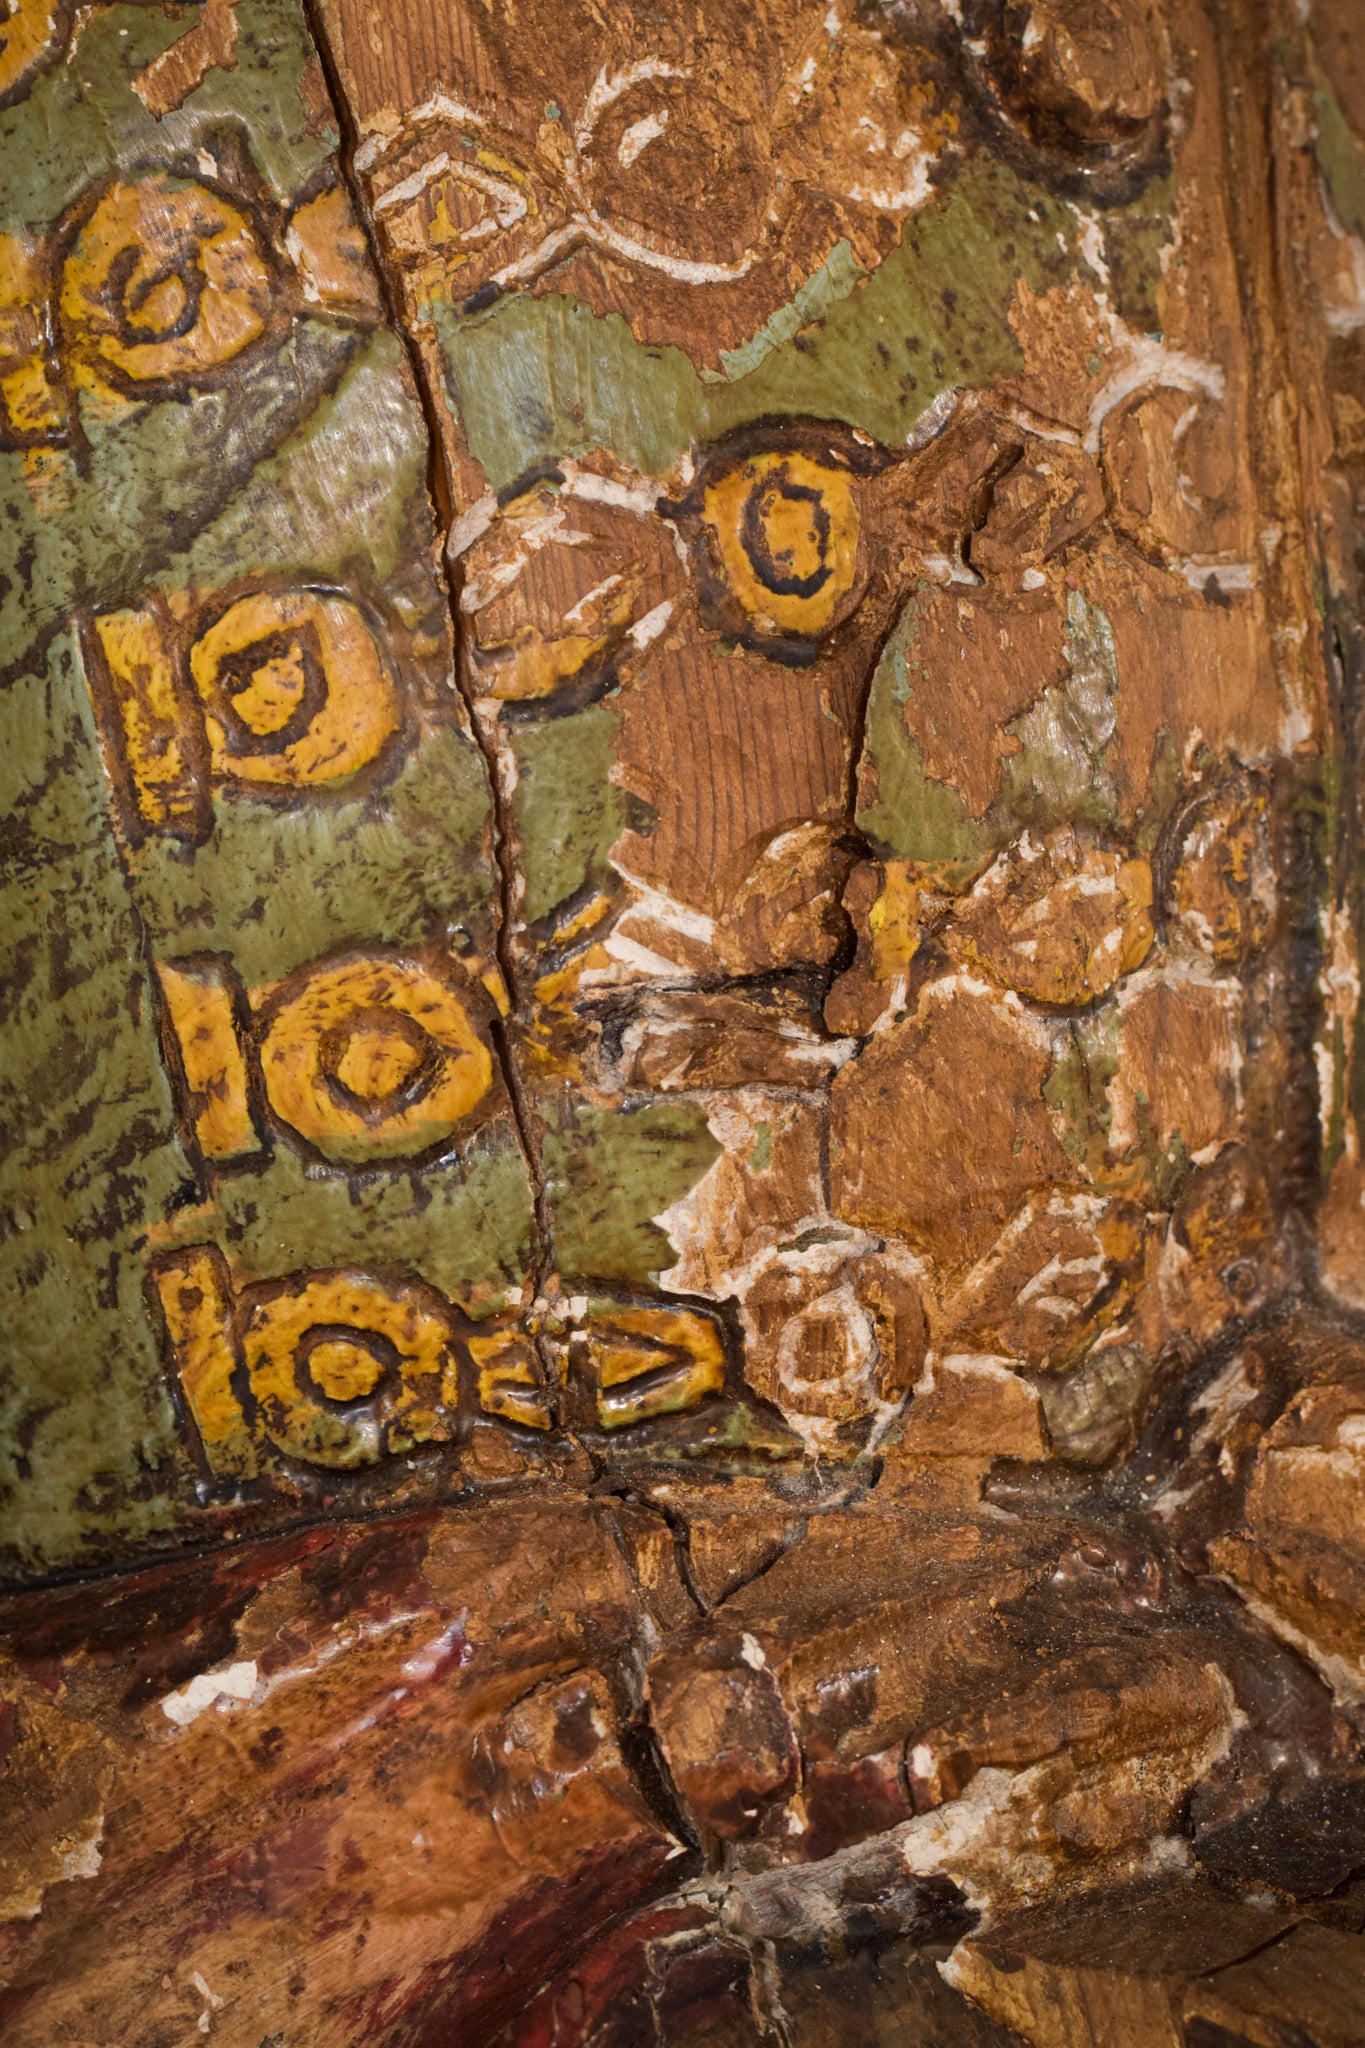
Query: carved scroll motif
{"x":339,"y":1370}
{"x":682,"y":870}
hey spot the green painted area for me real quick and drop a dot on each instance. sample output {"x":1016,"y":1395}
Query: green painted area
{"x":89,"y":1454}
{"x":750,"y":1438}
{"x":310,"y":470}
{"x":464,"y":1227}
{"x":274,"y":887}
{"x":1059,"y":771}
{"x":1165,"y":788}
{"x":342,"y":502}
{"x":83,"y":121}
{"x":1077,"y":1088}
{"x":1134,"y":237}
{"x":728,"y":1436}
{"x":933,"y":316}
{"x":92,"y":1463}
{"x":566,"y":814}
{"x":833,"y":281}
{"x":1154,"y":1173}
{"x":1334,"y":1128}
{"x":339,"y":501}
{"x":151,"y":475}
{"x":911,"y":815}
{"x":1341,"y":159}
{"x":538,"y":378}
{"x":608,"y":1173}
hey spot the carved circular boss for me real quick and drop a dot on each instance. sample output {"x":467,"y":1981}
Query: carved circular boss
{"x":294,"y":690}
{"x":165,"y":284}
{"x":344,"y":1371}
{"x":776,"y":532}
{"x":372,"y":1060}
{"x":276,"y":693}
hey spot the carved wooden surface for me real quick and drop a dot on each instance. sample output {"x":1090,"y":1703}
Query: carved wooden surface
{"x":683,"y":1182}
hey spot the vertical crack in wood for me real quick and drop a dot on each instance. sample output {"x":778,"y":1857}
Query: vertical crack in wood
{"x":442,"y":497}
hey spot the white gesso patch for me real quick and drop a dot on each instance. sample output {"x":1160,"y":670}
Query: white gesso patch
{"x":652,"y":624}
{"x":212,"y":2002}
{"x":652,"y":906}
{"x":440,"y":107}
{"x":1090,"y":240}
{"x":1221,"y":1402}
{"x":1345,"y":310}
{"x":608,"y":87}
{"x":640,"y":962}
{"x":1148,"y":364}
{"x":640,"y":498}
{"x":577,"y":614}
{"x":1199,"y":571}
{"x":293,"y":243}
{"x":233,"y":1682}
{"x":906,"y":197}
{"x":639,"y":135}
{"x":471,"y":524}
{"x":414,"y":184}
{"x":84,"y":1856}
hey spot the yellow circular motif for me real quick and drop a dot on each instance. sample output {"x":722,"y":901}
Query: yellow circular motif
{"x":381,"y":1056}
{"x":374,"y":1060}
{"x":344,"y":1370}
{"x":165,"y":284}
{"x":333,"y":1341}
{"x":294,"y":689}
{"x":784,"y":532}
{"x":30,"y":32}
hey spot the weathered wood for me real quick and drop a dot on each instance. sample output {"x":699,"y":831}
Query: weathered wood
{"x":683,"y":904}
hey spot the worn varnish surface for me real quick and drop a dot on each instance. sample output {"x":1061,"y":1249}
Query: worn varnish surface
{"x":683,"y":1190}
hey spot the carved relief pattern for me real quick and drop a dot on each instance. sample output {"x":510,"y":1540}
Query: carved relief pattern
{"x":666,"y":688}
{"x":829,"y":771}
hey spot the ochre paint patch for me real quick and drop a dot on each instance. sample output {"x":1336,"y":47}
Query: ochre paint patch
{"x":405,"y":1036}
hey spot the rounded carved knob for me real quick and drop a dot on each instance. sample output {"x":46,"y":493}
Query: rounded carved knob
{"x":1086,"y":67}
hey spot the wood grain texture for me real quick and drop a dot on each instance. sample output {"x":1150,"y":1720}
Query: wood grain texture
{"x":683,"y":905}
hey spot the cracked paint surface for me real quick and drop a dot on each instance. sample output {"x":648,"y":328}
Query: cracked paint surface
{"x":682,"y":879}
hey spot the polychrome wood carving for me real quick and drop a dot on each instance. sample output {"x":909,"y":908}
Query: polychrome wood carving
{"x":683,"y":892}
